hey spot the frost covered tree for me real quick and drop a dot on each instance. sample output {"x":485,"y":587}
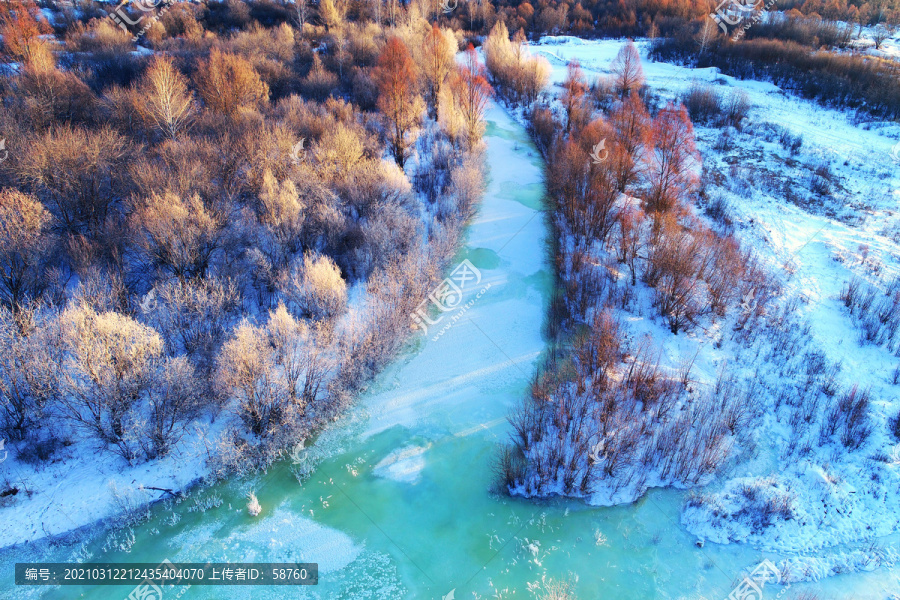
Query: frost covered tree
{"x":520,"y":76}
{"x":300,"y":351}
{"x":319,"y":83}
{"x":498,"y":54}
{"x":472,"y":93}
{"x":29,"y":369}
{"x":332,"y":13}
{"x":247,"y":371}
{"x":193,"y":317}
{"x":283,"y":215}
{"x":109,"y":367}
{"x":274,"y":372}
{"x":229,"y":84}
{"x":177,"y":237}
{"x":24,"y":244}
{"x":315,"y":287}
{"x":337,"y":153}
{"x":166,"y":102}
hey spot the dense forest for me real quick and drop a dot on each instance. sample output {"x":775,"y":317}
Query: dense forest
{"x":231,"y":224}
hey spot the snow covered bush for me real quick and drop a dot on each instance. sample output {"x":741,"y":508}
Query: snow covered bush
{"x":849,"y":417}
{"x":604,"y":419}
{"x":177,"y":237}
{"x":876,"y":312}
{"x":703,"y":103}
{"x":248,"y":371}
{"x":193,"y":318}
{"x":24,"y":243}
{"x":706,"y":105}
{"x":29,"y":370}
{"x":229,"y":84}
{"x":747,"y":507}
{"x":520,"y":77}
{"x":315,"y":287}
{"x":253,"y":506}
{"x":108,"y":368}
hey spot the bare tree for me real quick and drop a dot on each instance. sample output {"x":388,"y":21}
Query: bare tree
{"x":301,"y":8}
{"x":631,"y":135}
{"x":437,"y":62}
{"x":672,"y":160}
{"x":626,"y":67}
{"x":21,"y":26}
{"x":882,"y":32}
{"x":574,"y":90}
{"x":193,"y":317}
{"x":472,"y":93}
{"x":173,"y":400}
{"x":77,"y":174}
{"x":168,"y":104}
{"x":398,"y":96}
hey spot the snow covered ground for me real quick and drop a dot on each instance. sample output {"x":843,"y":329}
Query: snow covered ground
{"x":890,"y":47}
{"x":816,"y":218}
{"x":82,"y":485}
